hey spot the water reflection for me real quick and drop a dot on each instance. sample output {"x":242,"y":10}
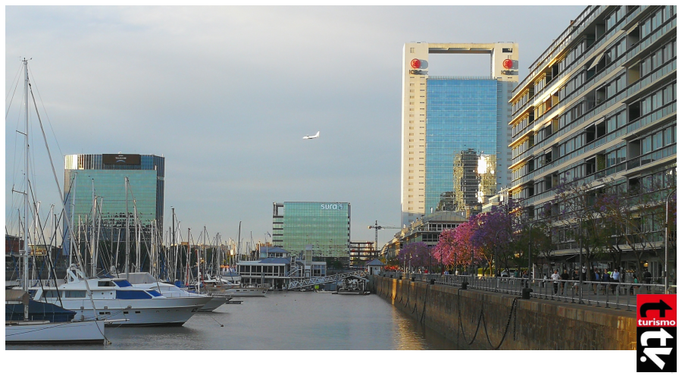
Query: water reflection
{"x":284,"y":321}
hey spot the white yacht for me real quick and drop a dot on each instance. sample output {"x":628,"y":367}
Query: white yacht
{"x":147,"y":281}
{"x":116,"y":298}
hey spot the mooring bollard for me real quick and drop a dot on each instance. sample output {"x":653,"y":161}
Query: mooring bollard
{"x":525,"y":293}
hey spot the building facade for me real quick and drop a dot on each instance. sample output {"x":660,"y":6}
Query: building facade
{"x":95,"y":188}
{"x":426,"y":229}
{"x":445,"y":116}
{"x":313,"y":230}
{"x":600,"y":106}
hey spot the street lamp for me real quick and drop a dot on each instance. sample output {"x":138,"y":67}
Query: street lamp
{"x":665,"y":263}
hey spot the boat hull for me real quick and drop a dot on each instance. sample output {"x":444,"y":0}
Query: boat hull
{"x":44,"y":332}
{"x":156,"y":312}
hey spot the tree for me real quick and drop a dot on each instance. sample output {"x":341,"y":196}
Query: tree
{"x":415,"y":254}
{"x":454,"y":246}
{"x":574,"y":210}
{"x":636,"y":216}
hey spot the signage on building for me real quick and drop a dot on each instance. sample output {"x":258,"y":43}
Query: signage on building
{"x":656,"y":333}
{"x":121,"y":159}
{"x":331,"y":206}
{"x":509,"y":67}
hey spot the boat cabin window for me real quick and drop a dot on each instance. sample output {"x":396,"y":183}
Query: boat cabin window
{"x":123,"y":283}
{"x":74,"y":294}
{"x":131,"y":295}
{"x":105,"y":283}
{"x":50,"y":293}
{"x":154,"y":293}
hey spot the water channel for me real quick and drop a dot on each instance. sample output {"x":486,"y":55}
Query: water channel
{"x":283,"y":321}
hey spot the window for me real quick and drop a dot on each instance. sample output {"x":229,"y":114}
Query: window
{"x":646,"y":144}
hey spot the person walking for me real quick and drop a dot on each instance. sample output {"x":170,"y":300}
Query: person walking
{"x":605,"y":278}
{"x":647,"y":279}
{"x":615,"y":279}
{"x":564,"y":278}
{"x":555,"y":283}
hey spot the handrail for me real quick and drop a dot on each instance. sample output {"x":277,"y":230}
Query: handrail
{"x":610,"y":294}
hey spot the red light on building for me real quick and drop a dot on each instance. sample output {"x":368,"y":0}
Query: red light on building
{"x":507,"y":64}
{"x":416,"y":63}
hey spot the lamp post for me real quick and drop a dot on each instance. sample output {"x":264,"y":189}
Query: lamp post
{"x":665,"y":257}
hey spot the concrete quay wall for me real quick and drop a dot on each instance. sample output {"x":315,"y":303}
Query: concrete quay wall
{"x":489,"y":320}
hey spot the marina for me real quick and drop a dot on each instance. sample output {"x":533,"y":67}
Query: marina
{"x":283,"y":320}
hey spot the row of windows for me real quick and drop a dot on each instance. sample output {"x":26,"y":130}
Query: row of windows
{"x":658,"y":58}
{"x":657,"y":19}
{"x":659,"y":139}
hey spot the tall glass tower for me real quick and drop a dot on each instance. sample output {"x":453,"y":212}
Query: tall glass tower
{"x":314,"y":229}
{"x":461,"y":118}
{"x":95,"y":192}
{"x":447,"y":119}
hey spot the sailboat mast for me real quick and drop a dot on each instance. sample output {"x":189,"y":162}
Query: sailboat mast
{"x":26,"y":249}
{"x":127,"y":232}
{"x":239,"y":240}
{"x":174,"y":246}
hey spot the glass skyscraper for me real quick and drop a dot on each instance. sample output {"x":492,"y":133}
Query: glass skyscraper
{"x":453,"y":126}
{"x":98,"y":182}
{"x":461,"y":115}
{"x":314,"y":229}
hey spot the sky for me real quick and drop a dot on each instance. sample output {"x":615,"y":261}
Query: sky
{"x":226,"y":93}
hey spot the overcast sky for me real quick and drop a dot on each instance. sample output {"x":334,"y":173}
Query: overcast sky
{"x":226,"y":94}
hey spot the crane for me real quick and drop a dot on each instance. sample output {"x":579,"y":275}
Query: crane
{"x":376,"y":228}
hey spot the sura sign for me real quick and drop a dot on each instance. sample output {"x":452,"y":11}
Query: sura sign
{"x":332,"y":206}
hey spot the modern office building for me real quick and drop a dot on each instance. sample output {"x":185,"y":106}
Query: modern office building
{"x":95,"y":188}
{"x":445,"y":116}
{"x":600,"y":105}
{"x":312,"y":230}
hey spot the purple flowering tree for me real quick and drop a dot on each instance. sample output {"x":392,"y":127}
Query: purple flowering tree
{"x":415,"y":254}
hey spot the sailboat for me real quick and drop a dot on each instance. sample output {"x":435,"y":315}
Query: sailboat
{"x":35,"y":327}
{"x":121,"y":297}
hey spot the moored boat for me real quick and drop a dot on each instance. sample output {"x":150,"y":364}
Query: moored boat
{"x":117,"y":298}
{"x":39,"y":327}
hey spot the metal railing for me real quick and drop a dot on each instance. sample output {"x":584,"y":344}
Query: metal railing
{"x":617,"y":295}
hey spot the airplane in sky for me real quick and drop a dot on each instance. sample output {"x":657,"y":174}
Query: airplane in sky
{"x":311,"y":137}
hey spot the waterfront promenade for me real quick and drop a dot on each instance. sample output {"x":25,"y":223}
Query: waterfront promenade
{"x":615,"y":295}
{"x":496,"y":313}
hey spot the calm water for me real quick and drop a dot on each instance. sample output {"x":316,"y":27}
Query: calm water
{"x":283,"y":321}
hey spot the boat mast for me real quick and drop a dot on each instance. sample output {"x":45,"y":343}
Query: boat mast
{"x":127,"y":232}
{"x":239,"y":240}
{"x":188,"y":259}
{"x":26,"y":249}
{"x":93,"y":268}
{"x":174,"y":246}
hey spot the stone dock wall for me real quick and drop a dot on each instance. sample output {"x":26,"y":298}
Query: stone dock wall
{"x":489,"y":320}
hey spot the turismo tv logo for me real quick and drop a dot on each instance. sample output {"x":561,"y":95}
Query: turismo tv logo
{"x":656,"y":333}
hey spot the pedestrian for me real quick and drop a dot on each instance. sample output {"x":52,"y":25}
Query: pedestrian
{"x":564,"y":278}
{"x":605,"y":278}
{"x":555,"y":278}
{"x":595,"y":279}
{"x":647,"y":279}
{"x":615,"y":278}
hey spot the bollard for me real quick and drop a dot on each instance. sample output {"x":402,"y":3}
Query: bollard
{"x":464,"y":285}
{"x":433,"y":281}
{"x":525,"y":293}
{"x":413,"y":278}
